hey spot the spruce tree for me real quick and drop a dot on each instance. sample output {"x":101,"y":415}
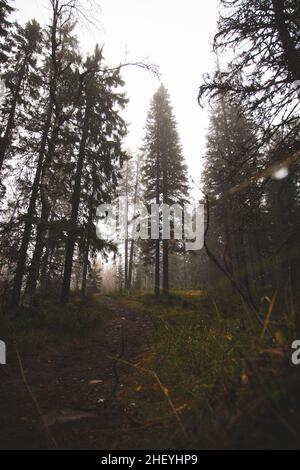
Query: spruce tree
{"x":101,"y":133}
{"x":61,"y":16}
{"x":57,"y":159}
{"x":5,"y":26}
{"x":164,"y":172}
{"x":230,"y":163}
{"x":20,"y":79}
{"x":265,"y":75}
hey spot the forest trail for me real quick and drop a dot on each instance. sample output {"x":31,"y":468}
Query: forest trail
{"x":75,"y":391}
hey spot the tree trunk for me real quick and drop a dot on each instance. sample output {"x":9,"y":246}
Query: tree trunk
{"x":126,"y":232}
{"x":72,"y":233}
{"x":5,"y":140}
{"x":126,"y":262}
{"x":130,"y":270}
{"x":16,"y":295}
{"x":165,"y":266}
{"x":131,"y":256}
{"x":290,"y":51}
{"x":157,"y":268}
{"x":85,"y":270}
{"x":34,"y":269}
{"x":46,"y":261}
{"x":157,"y":243}
{"x":165,"y":255}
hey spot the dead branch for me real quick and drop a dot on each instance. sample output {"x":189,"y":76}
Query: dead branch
{"x":35,"y":402}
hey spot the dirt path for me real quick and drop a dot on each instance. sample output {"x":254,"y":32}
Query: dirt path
{"x":75,"y":391}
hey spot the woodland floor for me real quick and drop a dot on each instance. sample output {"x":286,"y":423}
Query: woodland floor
{"x":192,"y":370}
{"x":76,"y":391}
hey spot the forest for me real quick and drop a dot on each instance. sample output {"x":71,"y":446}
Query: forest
{"x":135,"y":341}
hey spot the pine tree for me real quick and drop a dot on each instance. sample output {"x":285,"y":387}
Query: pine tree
{"x":268,"y":33}
{"x":5,"y":25}
{"x":95,"y":280}
{"x":102,"y":130}
{"x":134,"y":200}
{"x":230,"y":163}
{"x":61,"y":16}
{"x":20,"y":79}
{"x":128,"y":187}
{"x":264,"y":78}
{"x":57,"y":156}
{"x":164,"y":173}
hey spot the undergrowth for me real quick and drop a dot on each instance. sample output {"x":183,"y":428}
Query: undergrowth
{"x":50,"y":325}
{"x":229,"y":387}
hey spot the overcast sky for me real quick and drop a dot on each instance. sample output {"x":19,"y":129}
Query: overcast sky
{"x":174,"y":34}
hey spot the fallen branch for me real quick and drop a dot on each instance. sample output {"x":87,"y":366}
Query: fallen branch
{"x":35,"y":402}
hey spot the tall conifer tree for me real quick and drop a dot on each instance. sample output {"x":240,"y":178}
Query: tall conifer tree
{"x":164,"y":172}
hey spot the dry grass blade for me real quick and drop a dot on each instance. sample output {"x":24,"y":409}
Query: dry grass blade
{"x":268,"y":316}
{"x":35,"y":402}
{"x":162,"y":387}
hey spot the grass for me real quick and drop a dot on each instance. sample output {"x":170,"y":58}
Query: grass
{"x":207,"y":378}
{"x":229,"y":390}
{"x":50,"y":326}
